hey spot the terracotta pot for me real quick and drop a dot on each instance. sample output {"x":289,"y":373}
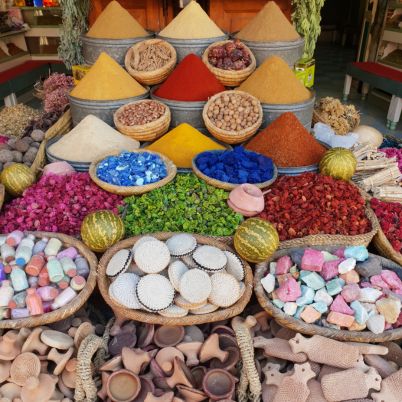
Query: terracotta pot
{"x":211,"y":349}
{"x":246,"y":199}
{"x":146,"y":387}
{"x":165,"y":358}
{"x":218,"y":384}
{"x":123,"y":386}
{"x":38,"y":389}
{"x":168,"y":336}
{"x":191,"y":394}
{"x":122,"y":339}
{"x":115,"y":363}
{"x":198,"y":375}
{"x":227,"y":341}
{"x":9,"y":346}
{"x":181,"y":375}
{"x":230,"y":362}
{"x":145,"y":335}
{"x":223,"y":329}
{"x":193,"y":334}
{"x":165,"y":397}
{"x":135,"y":360}
{"x":191,"y":351}
{"x":155,"y":369}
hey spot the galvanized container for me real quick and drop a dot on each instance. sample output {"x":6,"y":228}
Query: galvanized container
{"x":291,"y":51}
{"x":115,"y":48}
{"x":303,"y":111}
{"x":183,"y":111}
{"x":186,"y":46}
{"x":104,"y":110}
{"x":296,"y":171}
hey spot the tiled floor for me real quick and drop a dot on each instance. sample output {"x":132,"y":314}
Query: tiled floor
{"x":331,"y":63}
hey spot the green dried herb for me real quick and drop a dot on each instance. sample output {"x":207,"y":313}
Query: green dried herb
{"x":187,"y":204}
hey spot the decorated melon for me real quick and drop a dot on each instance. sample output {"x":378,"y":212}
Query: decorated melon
{"x":16,"y":178}
{"x":101,"y":229}
{"x":339,"y":163}
{"x":256,"y":240}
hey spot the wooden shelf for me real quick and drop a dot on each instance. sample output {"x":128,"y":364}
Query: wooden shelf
{"x":13,"y":61}
{"x":12,"y":33}
{"x":392,"y":36}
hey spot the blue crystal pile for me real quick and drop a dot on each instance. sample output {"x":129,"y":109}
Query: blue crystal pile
{"x":238,"y":166}
{"x":131,"y":169}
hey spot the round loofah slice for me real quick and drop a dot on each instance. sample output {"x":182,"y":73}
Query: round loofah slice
{"x":208,"y":308}
{"x":173,"y":312}
{"x":210,"y":258}
{"x":176,"y":270}
{"x":122,"y":290}
{"x":119,"y":263}
{"x":152,"y":257}
{"x":225,"y":290}
{"x":181,"y":244}
{"x":195,"y":285}
{"x":133,"y":269}
{"x":242,"y":289}
{"x":155,"y":292}
{"x":142,"y":240}
{"x":180,"y":301}
{"x":234,"y":265}
{"x":189,"y":261}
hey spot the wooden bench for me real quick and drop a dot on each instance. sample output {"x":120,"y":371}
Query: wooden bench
{"x":381,"y":77}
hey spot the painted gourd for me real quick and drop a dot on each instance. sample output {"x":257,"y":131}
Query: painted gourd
{"x":256,"y":240}
{"x":369,"y":134}
{"x":16,"y":178}
{"x":101,"y":229}
{"x":339,"y":163}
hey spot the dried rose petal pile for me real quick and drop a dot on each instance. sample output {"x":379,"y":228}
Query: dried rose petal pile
{"x":311,"y":204}
{"x":57,"y":204}
{"x":390,"y":216}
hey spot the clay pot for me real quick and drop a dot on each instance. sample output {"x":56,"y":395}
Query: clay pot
{"x":34,"y":344}
{"x":145,"y":335}
{"x":38,"y":389}
{"x":135,"y":360}
{"x":160,"y":382}
{"x":227,"y":341}
{"x":165,"y":358}
{"x":23,"y":335}
{"x":115,"y":363}
{"x":4,"y":370}
{"x":181,"y":375}
{"x":60,"y":359}
{"x":223,"y":329}
{"x":9,"y":347}
{"x":102,"y":393}
{"x":193,"y":334}
{"x":155,"y":369}
{"x":211,"y":349}
{"x":246,"y":199}
{"x":218,"y":384}
{"x":191,"y":394}
{"x":230,"y":362}
{"x":198,"y":375}
{"x":67,"y":392}
{"x":69,"y":372}
{"x":191,"y":351}
{"x":165,"y":397}
{"x":123,"y":386}
{"x":168,"y":336}
{"x":122,"y":339}
{"x":147,"y":387}
{"x":10,"y":390}
{"x":82,"y":332}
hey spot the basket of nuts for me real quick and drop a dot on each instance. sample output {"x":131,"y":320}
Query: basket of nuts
{"x":143,"y":120}
{"x":232,"y":116}
{"x":231,"y":61}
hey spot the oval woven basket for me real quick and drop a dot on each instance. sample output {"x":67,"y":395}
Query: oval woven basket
{"x":313,"y":329}
{"x":384,"y":247}
{"x":226,"y":185}
{"x":78,"y":301}
{"x":2,"y":195}
{"x":151,"y":77}
{"x":145,"y":132}
{"x":124,"y":313}
{"x":231,"y":137}
{"x":229,"y":78}
{"x":131,"y":190}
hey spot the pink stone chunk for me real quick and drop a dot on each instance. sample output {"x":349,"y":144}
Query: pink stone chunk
{"x":350,"y":292}
{"x":340,"y":319}
{"x":312,"y":260}
{"x":339,"y":305}
{"x":289,"y":290}
{"x":330,"y":269}
{"x":283,"y":265}
{"x":366,"y":285}
{"x":283,"y":278}
{"x":392,"y":279}
{"x":377,"y":280}
{"x":340,"y":253}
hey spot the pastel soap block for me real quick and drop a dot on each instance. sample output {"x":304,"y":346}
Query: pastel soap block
{"x":272,"y":267}
{"x":359,"y":253}
{"x":361,"y":314}
{"x":342,"y":320}
{"x":351,"y":277}
{"x":322,"y":296}
{"x":335,"y":286}
{"x":268,"y":283}
{"x":312,"y":279}
{"x":290,"y":308}
{"x":321,"y":307}
{"x":312,"y":260}
{"x":390,"y":308}
{"x":306,"y":297}
{"x":289,"y":290}
{"x":376,"y":323}
{"x":310,"y":315}
{"x":340,"y":252}
{"x":351,"y":292}
{"x":283,"y":265}
{"x":328,"y":256}
{"x":369,"y":295}
{"x":330,"y":269}
{"x":346,"y":265}
{"x":392,"y":279}
{"x":278,"y":303}
{"x":376,"y":280}
{"x":340,"y":306}
{"x":299,"y":310}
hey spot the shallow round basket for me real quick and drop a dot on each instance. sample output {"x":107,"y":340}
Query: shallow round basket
{"x":151,"y":77}
{"x":2,"y":195}
{"x":145,"y":132}
{"x":124,"y":313}
{"x":229,"y":78}
{"x":126,"y":191}
{"x":227,"y":136}
{"x":296,"y":171}
{"x":225,"y":185}
{"x":318,"y":118}
{"x":78,"y":301}
{"x":384,"y":247}
{"x":313,"y":329}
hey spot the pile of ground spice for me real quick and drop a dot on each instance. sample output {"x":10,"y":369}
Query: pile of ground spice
{"x":115,"y":22}
{"x":275,"y":83}
{"x":107,"y":80}
{"x":191,"y":23}
{"x":182,"y":144}
{"x":269,"y":25}
{"x":190,"y":81}
{"x":288,"y":143}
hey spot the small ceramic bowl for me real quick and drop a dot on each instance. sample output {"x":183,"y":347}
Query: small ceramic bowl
{"x":246,"y":199}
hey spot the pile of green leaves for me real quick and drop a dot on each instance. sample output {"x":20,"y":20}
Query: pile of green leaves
{"x":187,"y":204}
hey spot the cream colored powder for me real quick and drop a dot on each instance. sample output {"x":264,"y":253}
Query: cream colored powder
{"x":89,"y":140}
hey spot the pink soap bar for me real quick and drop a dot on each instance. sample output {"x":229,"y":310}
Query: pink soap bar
{"x":283,"y":265}
{"x":377,"y":280}
{"x":312,"y":260}
{"x":343,"y":320}
{"x":288,"y":291}
{"x":392,"y":279}
{"x":339,"y":306}
{"x":350,"y":292}
{"x":340,"y":253}
{"x":330,"y":269}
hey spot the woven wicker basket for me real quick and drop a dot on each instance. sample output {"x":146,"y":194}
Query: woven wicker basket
{"x":124,"y":313}
{"x":131,"y":190}
{"x":312,"y":329}
{"x":2,"y":195}
{"x":225,"y":185}
{"x":151,"y":77}
{"x":146,"y":132}
{"x":76,"y":303}
{"x":318,"y":118}
{"x":384,"y":247}
{"x":232,"y":137}
{"x":229,"y":78}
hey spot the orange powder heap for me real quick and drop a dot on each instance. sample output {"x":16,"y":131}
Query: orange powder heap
{"x":288,"y":143}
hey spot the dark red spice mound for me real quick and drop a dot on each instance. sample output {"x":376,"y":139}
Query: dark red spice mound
{"x":390,"y":216}
{"x":312,"y":204}
{"x":57,"y":204}
{"x":190,"y":81}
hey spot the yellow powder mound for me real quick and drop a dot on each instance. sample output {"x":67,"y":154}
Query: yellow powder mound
{"x":107,"y":80}
{"x":275,"y":82}
{"x":192,"y":23}
{"x":115,"y":22}
{"x":269,"y":25}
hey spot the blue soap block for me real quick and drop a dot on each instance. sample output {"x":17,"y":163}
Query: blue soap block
{"x":278,"y":303}
{"x":306,"y":297}
{"x":312,"y":279}
{"x":321,"y":307}
{"x":335,"y":286}
{"x":299,"y":311}
{"x":359,"y":253}
{"x":361,"y":314}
